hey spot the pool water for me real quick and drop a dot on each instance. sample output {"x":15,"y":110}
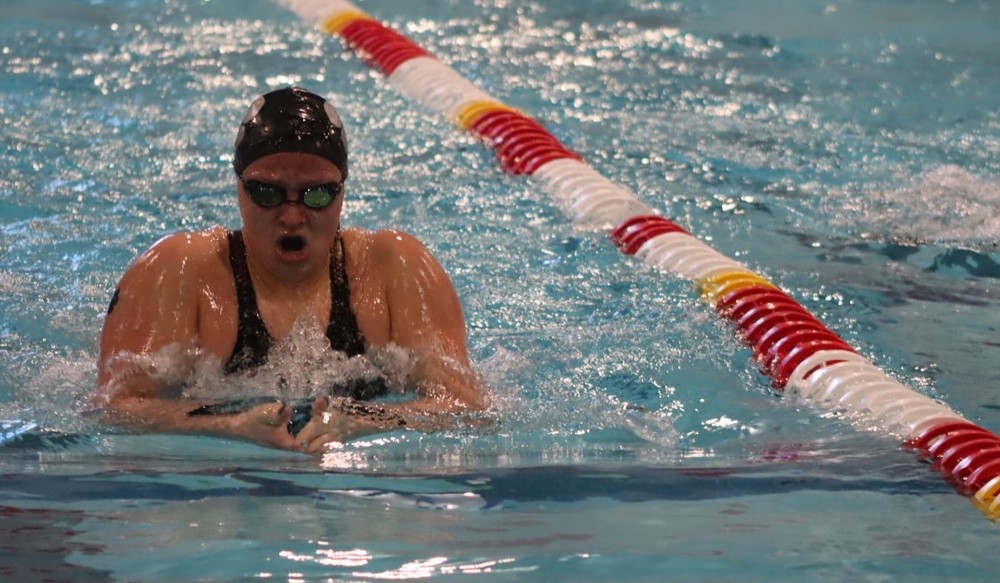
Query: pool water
{"x":849,"y":151}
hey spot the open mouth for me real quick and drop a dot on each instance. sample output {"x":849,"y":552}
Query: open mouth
{"x":292,"y":243}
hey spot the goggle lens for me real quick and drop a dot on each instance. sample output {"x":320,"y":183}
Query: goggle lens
{"x":318,"y":197}
{"x":263,"y":194}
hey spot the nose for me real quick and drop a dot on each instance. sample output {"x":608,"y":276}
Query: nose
{"x":292,"y":213}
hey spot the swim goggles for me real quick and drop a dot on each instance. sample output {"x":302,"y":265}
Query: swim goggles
{"x":268,"y":195}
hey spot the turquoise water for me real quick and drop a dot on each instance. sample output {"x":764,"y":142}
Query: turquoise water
{"x":849,"y":151}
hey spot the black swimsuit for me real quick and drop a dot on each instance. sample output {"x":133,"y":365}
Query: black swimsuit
{"x":253,"y":342}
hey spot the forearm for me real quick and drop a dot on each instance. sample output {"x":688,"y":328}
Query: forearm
{"x":157,"y":414}
{"x":262,"y":421}
{"x":446,"y":384}
{"x":344,"y":419}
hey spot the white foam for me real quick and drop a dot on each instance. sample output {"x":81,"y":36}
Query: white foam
{"x":54,"y":394}
{"x":300,"y":365}
{"x":947,"y":205}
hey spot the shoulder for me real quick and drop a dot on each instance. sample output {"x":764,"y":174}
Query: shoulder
{"x":396,"y":266}
{"x":190,"y":245}
{"x":157,"y":302}
{"x":180,"y":257}
{"x":390,"y":248}
{"x":382,"y":241}
{"x":187,"y":248}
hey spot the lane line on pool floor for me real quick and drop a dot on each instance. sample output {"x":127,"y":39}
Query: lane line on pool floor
{"x":800,"y":353}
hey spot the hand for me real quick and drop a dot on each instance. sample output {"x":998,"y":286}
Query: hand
{"x":267,"y":425}
{"x":331,"y":423}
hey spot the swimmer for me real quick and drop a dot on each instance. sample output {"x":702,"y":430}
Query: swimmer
{"x":232,"y":294}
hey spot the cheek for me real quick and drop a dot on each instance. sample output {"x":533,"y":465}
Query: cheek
{"x":336,"y":209}
{"x":246,"y":213}
{"x":330,"y":218}
{"x":328,"y":227}
{"x":253,"y":222}
{"x":247,"y":219}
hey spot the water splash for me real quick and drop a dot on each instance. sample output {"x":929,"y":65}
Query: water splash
{"x":300,"y":365}
{"x":50,"y":391}
{"x":947,"y":205}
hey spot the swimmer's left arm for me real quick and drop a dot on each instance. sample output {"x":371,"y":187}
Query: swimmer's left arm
{"x":426,"y":317}
{"x":335,"y":420}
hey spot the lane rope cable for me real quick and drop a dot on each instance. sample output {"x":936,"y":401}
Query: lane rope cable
{"x":799,"y":353}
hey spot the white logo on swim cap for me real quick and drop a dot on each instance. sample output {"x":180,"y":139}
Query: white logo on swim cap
{"x":251,"y":113}
{"x":333,"y":115}
{"x":255,"y":108}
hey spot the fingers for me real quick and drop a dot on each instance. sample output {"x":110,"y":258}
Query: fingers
{"x":314,"y":439}
{"x":274,"y":414}
{"x":321,"y":430}
{"x":319,"y":444}
{"x":320,"y":405}
{"x":300,"y":429}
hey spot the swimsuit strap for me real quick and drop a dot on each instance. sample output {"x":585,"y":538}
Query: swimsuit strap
{"x":253,"y":341}
{"x":343,"y":331}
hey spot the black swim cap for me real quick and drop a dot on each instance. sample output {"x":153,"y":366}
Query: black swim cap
{"x":291,"y":120}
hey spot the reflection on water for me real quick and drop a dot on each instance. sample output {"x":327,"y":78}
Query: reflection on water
{"x":742,"y":133}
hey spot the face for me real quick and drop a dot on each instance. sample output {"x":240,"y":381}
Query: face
{"x":290,"y":240}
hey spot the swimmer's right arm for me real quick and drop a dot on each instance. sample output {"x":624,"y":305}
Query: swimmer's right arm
{"x":155,"y":306}
{"x":265,"y":424}
{"x":159,"y":306}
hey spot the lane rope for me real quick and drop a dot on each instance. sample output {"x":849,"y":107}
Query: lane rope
{"x":800,"y":353}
